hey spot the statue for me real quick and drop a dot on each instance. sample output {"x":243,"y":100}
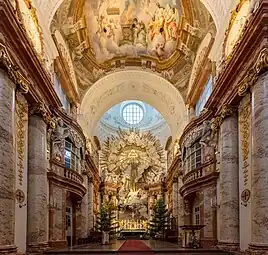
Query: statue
{"x":58,"y":138}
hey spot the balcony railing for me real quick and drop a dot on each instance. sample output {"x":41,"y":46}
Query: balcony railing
{"x":193,"y":175}
{"x":72,"y":175}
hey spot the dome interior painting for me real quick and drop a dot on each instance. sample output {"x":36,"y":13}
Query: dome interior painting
{"x":132,"y":114}
{"x":155,"y":36}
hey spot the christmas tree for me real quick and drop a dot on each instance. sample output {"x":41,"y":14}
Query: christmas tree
{"x":106,"y":221}
{"x":160,"y":220}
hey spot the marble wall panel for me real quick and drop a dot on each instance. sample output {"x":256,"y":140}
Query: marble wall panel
{"x":7,"y":164}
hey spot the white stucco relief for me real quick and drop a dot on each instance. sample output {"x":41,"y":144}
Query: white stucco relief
{"x":133,"y":85}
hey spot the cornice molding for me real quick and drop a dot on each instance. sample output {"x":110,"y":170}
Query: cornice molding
{"x":246,"y":63}
{"x":13,"y":71}
{"x":31,"y":76}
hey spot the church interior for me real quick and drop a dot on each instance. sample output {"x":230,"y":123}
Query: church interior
{"x":133,"y":123}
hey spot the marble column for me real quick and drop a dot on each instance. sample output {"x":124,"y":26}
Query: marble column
{"x":84,"y":212}
{"x":229,"y":184}
{"x":37,"y":209}
{"x":90,"y":204}
{"x":7,"y":167}
{"x":180,"y":209}
{"x":259,"y":206}
{"x":175,"y":199}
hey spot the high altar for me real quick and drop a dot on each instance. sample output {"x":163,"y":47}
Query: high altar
{"x":133,"y":166}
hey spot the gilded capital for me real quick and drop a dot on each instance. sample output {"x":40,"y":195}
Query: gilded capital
{"x":252,"y":75}
{"x":40,"y":110}
{"x":227,"y":111}
{"x":13,"y":71}
{"x":216,"y":123}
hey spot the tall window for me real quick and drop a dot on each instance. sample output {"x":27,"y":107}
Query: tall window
{"x":133,"y":113}
{"x":192,"y":158}
{"x":61,"y":94}
{"x":204,"y":97}
{"x":196,"y":215}
{"x":72,"y":156}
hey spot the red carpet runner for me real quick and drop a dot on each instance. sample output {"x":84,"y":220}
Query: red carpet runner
{"x":135,"y":246}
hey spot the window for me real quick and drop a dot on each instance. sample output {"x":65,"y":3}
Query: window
{"x":192,"y":157}
{"x":133,"y":113}
{"x":204,"y":97}
{"x":72,"y":156}
{"x":196,"y":215}
{"x":61,"y":94}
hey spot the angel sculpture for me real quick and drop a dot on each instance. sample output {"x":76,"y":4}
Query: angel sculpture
{"x":58,"y":138}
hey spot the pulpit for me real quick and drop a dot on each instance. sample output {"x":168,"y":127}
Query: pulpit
{"x":191,"y":235}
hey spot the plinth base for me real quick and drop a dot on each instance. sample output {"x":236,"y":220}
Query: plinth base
{"x":37,"y":249}
{"x":257,"y":249}
{"x":225,"y":246}
{"x":8,"y":249}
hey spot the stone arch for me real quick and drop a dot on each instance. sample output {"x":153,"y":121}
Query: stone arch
{"x":133,"y":85}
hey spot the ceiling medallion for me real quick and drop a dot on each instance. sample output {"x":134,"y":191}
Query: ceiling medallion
{"x":28,"y":15}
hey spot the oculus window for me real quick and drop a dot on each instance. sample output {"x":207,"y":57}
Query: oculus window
{"x":133,"y":113}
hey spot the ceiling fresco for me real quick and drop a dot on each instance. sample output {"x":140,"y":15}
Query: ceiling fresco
{"x":133,"y":28}
{"x":104,"y":36}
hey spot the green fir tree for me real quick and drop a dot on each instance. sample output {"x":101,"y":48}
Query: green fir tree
{"x":160,"y":220}
{"x":106,"y":220}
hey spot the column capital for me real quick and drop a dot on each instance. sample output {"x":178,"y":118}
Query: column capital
{"x":13,"y":71}
{"x":226,"y":111}
{"x":40,"y":110}
{"x":260,"y":66}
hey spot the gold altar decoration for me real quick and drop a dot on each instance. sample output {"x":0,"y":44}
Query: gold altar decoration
{"x":133,"y":157}
{"x":133,"y":224}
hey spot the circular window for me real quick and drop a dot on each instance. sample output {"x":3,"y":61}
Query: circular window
{"x":133,"y":113}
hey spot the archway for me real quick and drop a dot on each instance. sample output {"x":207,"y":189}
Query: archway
{"x":133,"y":85}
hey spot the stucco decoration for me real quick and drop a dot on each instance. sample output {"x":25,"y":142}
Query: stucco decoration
{"x":65,"y":54}
{"x":236,"y":27}
{"x":27,"y":14}
{"x":133,"y":85}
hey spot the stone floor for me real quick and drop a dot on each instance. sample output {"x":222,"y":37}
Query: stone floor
{"x":157,"y":247}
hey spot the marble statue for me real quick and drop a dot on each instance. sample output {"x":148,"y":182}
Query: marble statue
{"x":58,"y":139}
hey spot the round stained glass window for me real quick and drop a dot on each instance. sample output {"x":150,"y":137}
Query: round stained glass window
{"x":133,"y":113}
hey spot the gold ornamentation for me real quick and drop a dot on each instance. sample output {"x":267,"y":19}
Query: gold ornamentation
{"x":236,"y":28}
{"x":227,"y":111}
{"x":244,"y":121}
{"x":253,"y":74}
{"x":13,"y":71}
{"x":22,"y":114}
{"x":20,"y":196}
{"x":216,"y":123}
{"x":40,"y":110}
{"x":27,"y":13}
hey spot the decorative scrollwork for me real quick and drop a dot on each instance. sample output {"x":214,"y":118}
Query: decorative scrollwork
{"x":13,"y":71}
{"x":22,"y":114}
{"x":253,"y":74}
{"x":244,"y":121}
